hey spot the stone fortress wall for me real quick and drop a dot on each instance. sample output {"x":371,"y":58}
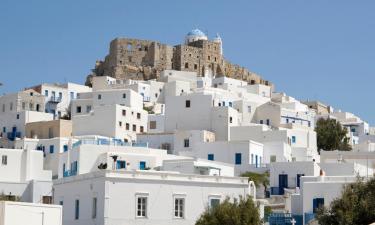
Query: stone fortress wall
{"x":144,"y":59}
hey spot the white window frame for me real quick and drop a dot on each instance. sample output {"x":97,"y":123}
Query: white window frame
{"x":211,"y":197}
{"x":137,"y":196}
{"x":181,"y":212}
{"x":4,"y":160}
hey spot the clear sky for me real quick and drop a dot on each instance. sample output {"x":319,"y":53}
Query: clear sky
{"x":310,"y":49}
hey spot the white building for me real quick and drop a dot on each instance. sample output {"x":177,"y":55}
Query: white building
{"x":114,"y":113}
{"x":14,"y":213}
{"x":143,"y":197}
{"x":18,"y":109}
{"x":22,"y":176}
{"x":280,"y":144}
{"x":59,"y":96}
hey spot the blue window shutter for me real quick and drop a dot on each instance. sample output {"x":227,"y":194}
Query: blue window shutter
{"x":51,"y":148}
{"x":65,"y":148}
{"x":211,"y":157}
{"x":238,"y":158}
{"x":142,"y":165}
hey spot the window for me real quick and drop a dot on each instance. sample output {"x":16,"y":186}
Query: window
{"x":124,"y":112}
{"x":99,"y":96}
{"x":4,"y":129}
{"x":152,"y":125}
{"x":209,"y":57}
{"x":141,"y":129}
{"x":317,"y":203}
{"x":187,"y":103}
{"x":65,"y":148}
{"x":195,"y":66}
{"x":47,"y":199}
{"x":120,"y":123}
{"x":179,"y":208}
{"x":18,"y":116}
{"x":79,"y":109}
{"x":94,"y":207}
{"x":213,"y":202}
{"x":268,"y":122}
{"x":249,"y":109}
{"x":11,"y":106}
{"x":211,"y":157}
{"x":134,"y":127}
{"x":76,"y":211}
{"x":4,"y":160}
{"x":141,"y":206}
{"x":186,"y":65}
{"x":88,"y":108}
{"x":124,"y":95}
{"x":60,"y":95}
{"x":71,"y":95}
{"x":46,"y":93}
{"x":252,"y":158}
{"x":127,"y":126}
{"x":238,"y":158}
{"x":261,"y":121}
{"x":61,"y":203}
{"x":142,"y":165}
{"x":138,"y":116}
{"x":230,"y":119}
{"x":120,"y":164}
{"x":51,"y":148}
{"x":186,"y":143}
{"x":293,"y":139}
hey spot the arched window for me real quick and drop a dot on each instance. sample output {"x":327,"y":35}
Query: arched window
{"x":186,"y":65}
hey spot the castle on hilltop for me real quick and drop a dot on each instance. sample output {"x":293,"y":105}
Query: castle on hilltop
{"x":144,"y":60}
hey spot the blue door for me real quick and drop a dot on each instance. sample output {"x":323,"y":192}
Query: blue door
{"x":283,"y":183}
{"x":142,"y":165}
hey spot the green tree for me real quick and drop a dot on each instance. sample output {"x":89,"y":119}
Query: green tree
{"x":258,"y":178}
{"x":355,"y":207}
{"x":238,"y":212}
{"x":331,"y":135}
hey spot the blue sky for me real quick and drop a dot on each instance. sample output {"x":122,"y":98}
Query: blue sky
{"x":310,"y":49}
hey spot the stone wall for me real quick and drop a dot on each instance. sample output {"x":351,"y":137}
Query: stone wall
{"x":144,"y":60}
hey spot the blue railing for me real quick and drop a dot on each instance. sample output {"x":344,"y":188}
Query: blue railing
{"x":308,"y":217}
{"x":276,"y":191}
{"x":114,"y":142}
{"x":280,"y":219}
{"x":13,"y":135}
{"x":69,"y":173}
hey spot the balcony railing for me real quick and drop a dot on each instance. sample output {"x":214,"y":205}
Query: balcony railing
{"x":54,"y":99}
{"x":277,"y":191}
{"x":69,"y":173}
{"x":113,"y":142}
{"x":13,"y":135}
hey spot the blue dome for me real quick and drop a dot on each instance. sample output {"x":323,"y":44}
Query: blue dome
{"x":196,"y":32}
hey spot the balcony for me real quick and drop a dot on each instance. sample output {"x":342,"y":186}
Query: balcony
{"x":69,"y":173}
{"x":277,"y":191}
{"x":113,"y":142}
{"x":54,"y":99}
{"x":13,"y":135}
